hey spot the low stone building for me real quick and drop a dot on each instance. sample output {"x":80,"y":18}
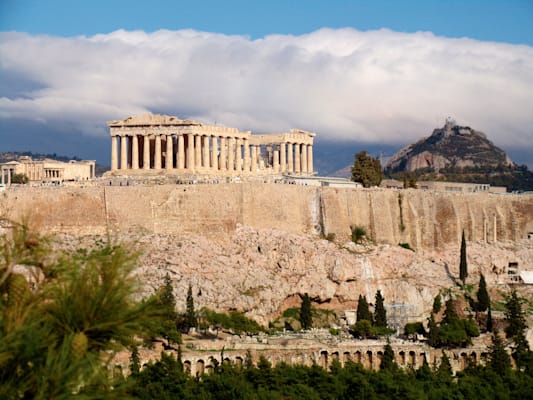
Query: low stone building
{"x":443,"y":186}
{"x":47,"y":170}
{"x":149,"y":144}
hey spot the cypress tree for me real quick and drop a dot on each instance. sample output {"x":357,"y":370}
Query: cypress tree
{"x":483,"y":299}
{"x":135,"y":362}
{"x":489,"y":321}
{"x":437,"y":303}
{"x":444,"y":372}
{"x":463,"y":268}
{"x":433,"y":334}
{"x":306,"y":318}
{"x":387,"y":362}
{"x":190,"y":314}
{"x":516,"y":321}
{"x":363,"y":311}
{"x":380,"y":314}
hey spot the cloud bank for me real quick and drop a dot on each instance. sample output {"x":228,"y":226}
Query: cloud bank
{"x":374,"y":87}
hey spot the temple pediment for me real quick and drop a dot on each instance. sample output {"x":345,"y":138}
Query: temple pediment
{"x":152,"y":119}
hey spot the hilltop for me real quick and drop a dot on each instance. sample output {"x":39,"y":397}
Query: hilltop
{"x":461,"y":154}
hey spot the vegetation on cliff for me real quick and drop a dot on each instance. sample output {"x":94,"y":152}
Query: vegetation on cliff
{"x":366,"y":170}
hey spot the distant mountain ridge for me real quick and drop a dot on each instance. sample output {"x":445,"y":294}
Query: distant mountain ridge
{"x":450,"y":146}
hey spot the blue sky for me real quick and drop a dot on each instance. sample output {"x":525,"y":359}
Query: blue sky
{"x":363,"y":74}
{"x":508,"y":21}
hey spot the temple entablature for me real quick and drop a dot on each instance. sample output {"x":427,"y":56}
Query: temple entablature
{"x":161,"y":144}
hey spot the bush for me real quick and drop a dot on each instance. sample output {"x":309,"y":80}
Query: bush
{"x":358,"y":234}
{"x":406,"y":246}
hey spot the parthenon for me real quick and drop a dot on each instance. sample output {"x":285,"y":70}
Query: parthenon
{"x":161,"y":144}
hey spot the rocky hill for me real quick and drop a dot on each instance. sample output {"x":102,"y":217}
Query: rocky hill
{"x":451,"y":146}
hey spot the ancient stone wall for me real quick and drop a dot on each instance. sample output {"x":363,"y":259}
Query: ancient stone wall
{"x":424,"y":219}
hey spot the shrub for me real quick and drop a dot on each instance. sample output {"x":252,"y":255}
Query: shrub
{"x":358,"y":233}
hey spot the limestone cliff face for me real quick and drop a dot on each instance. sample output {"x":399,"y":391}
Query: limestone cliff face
{"x":263,"y":271}
{"x":424,"y":219}
{"x":451,"y":145}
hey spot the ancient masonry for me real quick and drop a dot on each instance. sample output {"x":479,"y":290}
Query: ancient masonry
{"x":160,"y":144}
{"x":47,"y":170}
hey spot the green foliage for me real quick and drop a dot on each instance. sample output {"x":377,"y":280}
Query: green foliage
{"x":516,"y":328}
{"x":437,"y":303}
{"x":489,"y":320}
{"x":366,"y":170}
{"x":20,"y":179}
{"x":358,"y":233}
{"x":380,"y":314}
{"x":53,"y":338}
{"x":387,"y":361}
{"x":483,"y":299}
{"x":190,"y":314}
{"x":234,"y":321}
{"x":414,"y":327}
{"x":363,"y":310}
{"x":453,"y":331}
{"x":406,"y":246}
{"x":362,"y":329}
{"x":463,"y":267}
{"x":135,"y":362}
{"x":165,"y":380}
{"x":499,"y":360}
{"x":306,"y":318}
{"x":168,"y":328}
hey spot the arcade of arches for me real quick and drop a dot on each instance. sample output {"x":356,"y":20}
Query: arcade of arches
{"x":148,"y":143}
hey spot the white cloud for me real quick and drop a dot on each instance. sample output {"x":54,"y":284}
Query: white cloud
{"x":376,"y":86}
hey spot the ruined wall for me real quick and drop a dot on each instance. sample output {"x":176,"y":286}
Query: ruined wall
{"x":423,"y":219}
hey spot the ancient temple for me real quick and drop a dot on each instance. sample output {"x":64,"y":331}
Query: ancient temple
{"x":161,"y":144}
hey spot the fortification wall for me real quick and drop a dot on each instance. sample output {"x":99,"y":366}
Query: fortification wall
{"x":423,"y":219}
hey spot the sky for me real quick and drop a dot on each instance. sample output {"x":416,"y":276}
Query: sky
{"x":374,"y":75}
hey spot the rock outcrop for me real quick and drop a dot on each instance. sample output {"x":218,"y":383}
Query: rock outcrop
{"x":264,"y":271}
{"x":450,"y":146}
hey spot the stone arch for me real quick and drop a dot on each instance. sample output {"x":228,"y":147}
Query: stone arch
{"x":379,"y":358}
{"x":369,"y":360}
{"x":200,"y":367}
{"x":209,"y":369}
{"x":346,"y":357}
{"x":423,"y":359}
{"x":401,"y":357}
{"x":412,"y":359}
{"x":239,"y":361}
{"x":463,"y":360}
{"x":226,"y":361}
{"x":187,"y":367}
{"x":358,"y":357}
{"x":324,"y":359}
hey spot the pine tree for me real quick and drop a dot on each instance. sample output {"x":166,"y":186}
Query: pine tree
{"x":387,"y":361}
{"x":190,"y":314}
{"x":135,"y":362}
{"x":306,"y":318}
{"x":483,"y":299}
{"x":444,"y":371}
{"x":463,"y":268}
{"x":363,"y":311}
{"x":380,"y":314}
{"x":499,"y":360}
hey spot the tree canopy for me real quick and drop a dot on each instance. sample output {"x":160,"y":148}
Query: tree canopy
{"x":366,"y":170}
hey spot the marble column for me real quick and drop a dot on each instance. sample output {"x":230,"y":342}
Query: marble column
{"x":310,"y":159}
{"x":238,"y":154}
{"x":197,"y":151}
{"x":181,"y":152}
{"x":304,"y":158}
{"x":114,"y":153}
{"x":190,"y":151}
{"x":297,"y":163}
{"x":283,"y":156}
{"x":291,"y":161}
{"x":2,"y":173}
{"x":214,"y":153}
{"x":223,"y":152}
{"x":275,"y":163}
{"x":9,"y":177}
{"x":169,"y":159}
{"x":157,"y":151}
{"x":123,"y":152}
{"x":134,"y":152}
{"x":246,"y":147}
{"x":231,"y":154}
{"x":254,"y":158}
{"x":205,"y":147}
{"x":146,"y":152}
